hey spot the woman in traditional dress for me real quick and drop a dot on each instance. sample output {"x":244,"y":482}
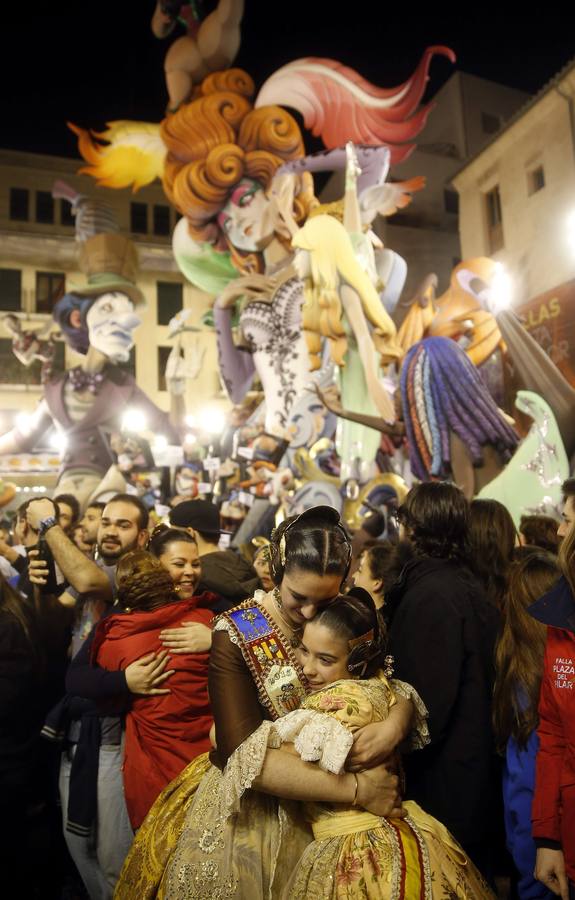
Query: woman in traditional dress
{"x":356,"y":854}
{"x":188,"y":845}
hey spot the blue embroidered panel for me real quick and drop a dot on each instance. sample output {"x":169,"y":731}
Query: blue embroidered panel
{"x":251,"y":623}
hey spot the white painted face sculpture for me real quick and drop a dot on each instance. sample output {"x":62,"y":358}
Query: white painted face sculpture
{"x":111,"y":320}
{"x":246,"y":219}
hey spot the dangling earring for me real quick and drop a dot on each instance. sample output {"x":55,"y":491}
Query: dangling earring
{"x":278,"y":598}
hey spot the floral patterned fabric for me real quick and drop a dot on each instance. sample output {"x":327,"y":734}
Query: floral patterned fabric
{"x":357,"y":855}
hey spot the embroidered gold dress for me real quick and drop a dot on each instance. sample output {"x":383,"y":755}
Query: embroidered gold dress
{"x":355,"y":854}
{"x":208,"y":835}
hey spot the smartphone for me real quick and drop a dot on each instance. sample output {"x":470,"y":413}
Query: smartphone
{"x":44,"y":553}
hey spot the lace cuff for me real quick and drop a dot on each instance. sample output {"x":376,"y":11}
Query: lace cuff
{"x":419,"y":736}
{"x":243,"y":767}
{"x":316,"y":737}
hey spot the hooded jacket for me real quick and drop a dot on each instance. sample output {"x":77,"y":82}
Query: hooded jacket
{"x":553,"y":811}
{"x":163,"y":733}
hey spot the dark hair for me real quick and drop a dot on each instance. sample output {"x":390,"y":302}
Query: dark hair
{"x":520,"y":650}
{"x":76,"y":338}
{"x":374,"y":524}
{"x":315,"y":541}
{"x":144,"y":515}
{"x":11,"y":602}
{"x":540,"y":531}
{"x":380,"y":557}
{"x":163,"y":536}
{"x":492,"y":537}
{"x":143,"y":582}
{"x":568,"y":488}
{"x":354,"y":616}
{"x":436,"y":515}
{"x":97,"y":504}
{"x":72,"y":502}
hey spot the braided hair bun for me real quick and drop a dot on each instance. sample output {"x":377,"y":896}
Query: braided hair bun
{"x":142,"y":581}
{"x":354,"y":617}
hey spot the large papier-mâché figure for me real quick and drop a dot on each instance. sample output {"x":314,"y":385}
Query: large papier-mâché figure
{"x":87,"y":402}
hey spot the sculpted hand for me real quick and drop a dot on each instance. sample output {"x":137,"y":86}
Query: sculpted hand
{"x":372,"y":745}
{"x":38,"y":510}
{"x":191,"y":637}
{"x":37,"y":568}
{"x":256,"y":286}
{"x":145,"y":675}
{"x":377,"y":791}
{"x":550,"y":870}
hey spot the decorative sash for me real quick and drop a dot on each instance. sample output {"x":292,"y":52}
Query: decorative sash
{"x":269,"y":657}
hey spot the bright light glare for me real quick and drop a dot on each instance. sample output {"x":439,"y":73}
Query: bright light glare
{"x":134,"y":420}
{"x":23,"y":423}
{"x":160,"y":442}
{"x":212,"y":420}
{"x":501,"y":293}
{"x":190,"y":420}
{"x":571,"y":230}
{"x":59,"y":441}
{"x":190,"y":439}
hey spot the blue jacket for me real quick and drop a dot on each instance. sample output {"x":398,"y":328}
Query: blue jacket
{"x":518,"y":785}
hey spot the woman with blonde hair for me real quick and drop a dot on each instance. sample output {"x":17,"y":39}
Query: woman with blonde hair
{"x":342,"y":305}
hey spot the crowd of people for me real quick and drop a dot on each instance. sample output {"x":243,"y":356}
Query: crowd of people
{"x":316,"y":714}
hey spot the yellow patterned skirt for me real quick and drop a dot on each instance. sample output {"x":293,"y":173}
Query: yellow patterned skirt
{"x":158,"y":836}
{"x":358,"y":856}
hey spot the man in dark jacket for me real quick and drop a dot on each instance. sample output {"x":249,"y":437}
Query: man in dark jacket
{"x":224,"y":572}
{"x":442,"y":637}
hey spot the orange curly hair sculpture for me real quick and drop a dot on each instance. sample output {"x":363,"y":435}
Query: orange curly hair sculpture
{"x":218,"y":139}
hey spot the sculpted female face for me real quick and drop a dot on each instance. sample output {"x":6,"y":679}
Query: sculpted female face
{"x":247,"y":219}
{"x":111,"y":320}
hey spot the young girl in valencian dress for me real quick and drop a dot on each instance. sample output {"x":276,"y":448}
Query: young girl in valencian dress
{"x":356,"y":854}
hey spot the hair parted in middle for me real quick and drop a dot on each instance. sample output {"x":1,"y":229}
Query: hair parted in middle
{"x":314,"y":541}
{"x":143,"y":583}
{"x":354,"y":617}
{"x":218,"y":139}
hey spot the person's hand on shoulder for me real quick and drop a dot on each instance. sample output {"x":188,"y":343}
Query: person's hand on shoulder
{"x":190,"y":637}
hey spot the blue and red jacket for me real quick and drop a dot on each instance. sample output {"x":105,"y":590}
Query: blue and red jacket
{"x":553,"y":811}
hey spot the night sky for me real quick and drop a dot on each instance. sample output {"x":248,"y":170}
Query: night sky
{"x":93,"y":62}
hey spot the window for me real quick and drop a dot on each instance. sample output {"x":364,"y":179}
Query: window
{"x":494,"y":219}
{"x":50,"y":287}
{"x":161,"y":220}
{"x":19,"y":204}
{"x":66,"y":217}
{"x":535,"y":180}
{"x":170,"y":300}
{"x":490,"y":123}
{"x":138,"y":218}
{"x":13,"y":372}
{"x":44,"y":207}
{"x":10,"y":289}
{"x":451,"y":201}
{"x":163,"y":353}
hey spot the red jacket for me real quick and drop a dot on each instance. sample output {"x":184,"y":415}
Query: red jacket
{"x":163,"y":733}
{"x":553,"y":810}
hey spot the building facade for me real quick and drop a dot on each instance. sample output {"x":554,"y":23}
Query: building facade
{"x":38,"y":263}
{"x":517,"y":205}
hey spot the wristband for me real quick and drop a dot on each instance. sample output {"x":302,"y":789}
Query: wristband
{"x":354,"y":801}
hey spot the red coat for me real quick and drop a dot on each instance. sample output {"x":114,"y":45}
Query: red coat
{"x":553,"y":810}
{"x":163,"y":733}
